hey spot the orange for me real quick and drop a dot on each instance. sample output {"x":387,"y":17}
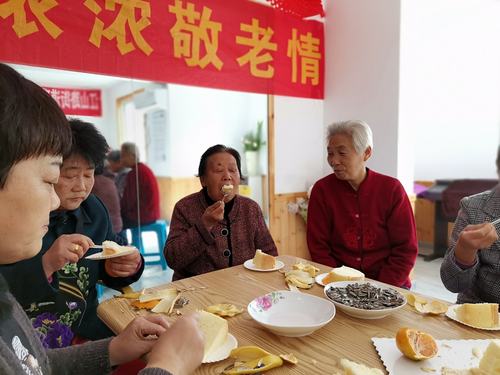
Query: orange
{"x":416,"y":345}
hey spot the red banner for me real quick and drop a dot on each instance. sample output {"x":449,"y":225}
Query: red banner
{"x":236,"y":45}
{"x":77,"y":101}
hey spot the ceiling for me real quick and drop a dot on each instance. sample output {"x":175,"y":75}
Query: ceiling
{"x":66,"y":78}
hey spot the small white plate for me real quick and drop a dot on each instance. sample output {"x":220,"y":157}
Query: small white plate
{"x":250,"y":266}
{"x":100,"y":256}
{"x":452,"y":314}
{"x":319,"y":278}
{"x":222,"y":351}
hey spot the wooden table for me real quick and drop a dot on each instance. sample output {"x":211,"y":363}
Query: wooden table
{"x":343,"y":337}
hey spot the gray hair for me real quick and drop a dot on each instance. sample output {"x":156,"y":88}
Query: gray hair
{"x":131,"y":148}
{"x":360,"y":132}
{"x":113,"y":156}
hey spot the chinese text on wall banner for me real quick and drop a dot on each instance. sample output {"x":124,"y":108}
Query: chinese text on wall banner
{"x":77,"y":101}
{"x":229,"y":44}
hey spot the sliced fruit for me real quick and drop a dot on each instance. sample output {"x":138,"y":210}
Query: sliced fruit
{"x":158,"y":294}
{"x":416,"y":345}
{"x":224,"y":309}
{"x":145,"y":305}
{"x":131,"y":295}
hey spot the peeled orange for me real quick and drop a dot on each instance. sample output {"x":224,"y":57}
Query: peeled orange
{"x":416,"y":345}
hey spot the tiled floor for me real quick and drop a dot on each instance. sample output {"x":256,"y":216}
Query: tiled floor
{"x":426,"y":280}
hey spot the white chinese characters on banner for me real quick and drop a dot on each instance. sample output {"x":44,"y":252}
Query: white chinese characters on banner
{"x":81,"y":102}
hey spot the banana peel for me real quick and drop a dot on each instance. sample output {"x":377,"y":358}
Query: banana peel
{"x":300,"y":279}
{"x":306,"y":267}
{"x":252,"y":360}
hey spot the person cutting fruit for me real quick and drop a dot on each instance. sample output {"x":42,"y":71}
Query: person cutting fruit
{"x":215,"y":227}
{"x":57,"y":287}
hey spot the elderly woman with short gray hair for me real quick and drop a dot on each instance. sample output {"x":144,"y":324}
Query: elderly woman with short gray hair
{"x":360,"y":218}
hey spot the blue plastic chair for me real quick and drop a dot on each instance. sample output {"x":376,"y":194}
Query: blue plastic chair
{"x":151,"y":257}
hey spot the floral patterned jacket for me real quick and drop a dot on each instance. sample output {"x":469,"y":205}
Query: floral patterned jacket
{"x":67,"y":305}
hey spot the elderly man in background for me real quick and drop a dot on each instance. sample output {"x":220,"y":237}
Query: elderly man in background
{"x":140,"y":202}
{"x":119,"y":171}
{"x":105,"y":189}
{"x":360,"y":218}
{"x":471,"y":264}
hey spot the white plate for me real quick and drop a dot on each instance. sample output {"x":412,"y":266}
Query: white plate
{"x":291,"y":314}
{"x":452,"y":314}
{"x":223,"y":351}
{"x":455,"y":354}
{"x":250,"y":266}
{"x":319,"y":278}
{"x":100,"y":256}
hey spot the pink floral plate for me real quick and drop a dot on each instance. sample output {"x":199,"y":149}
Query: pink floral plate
{"x":291,"y":314}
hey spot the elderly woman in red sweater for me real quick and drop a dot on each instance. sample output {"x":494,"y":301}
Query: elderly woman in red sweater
{"x":360,"y":218}
{"x":216,"y":228}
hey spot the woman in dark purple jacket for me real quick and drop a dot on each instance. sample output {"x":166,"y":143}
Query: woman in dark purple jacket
{"x":211,"y":229}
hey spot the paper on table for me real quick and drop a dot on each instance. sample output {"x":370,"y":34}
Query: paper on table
{"x":455,"y":354}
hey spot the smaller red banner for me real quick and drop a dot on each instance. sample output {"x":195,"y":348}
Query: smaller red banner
{"x":78,"y":102}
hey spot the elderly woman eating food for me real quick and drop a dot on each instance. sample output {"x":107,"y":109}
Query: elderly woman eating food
{"x":471,"y":264}
{"x":360,"y":218}
{"x":215,"y":227}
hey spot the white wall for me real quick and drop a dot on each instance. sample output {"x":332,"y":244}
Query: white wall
{"x":299,"y":143}
{"x":425,"y":75}
{"x":450,"y":87}
{"x":112,"y":94}
{"x":202,"y":117}
{"x":362,"y":75}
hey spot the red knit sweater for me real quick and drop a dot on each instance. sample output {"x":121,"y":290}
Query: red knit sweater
{"x":372,"y":229}
{"x":149,"y":196}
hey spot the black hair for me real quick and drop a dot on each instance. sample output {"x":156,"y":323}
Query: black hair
{"x":88,"y":142}
{"x":31,"y":122}
{"x":202,"y":168}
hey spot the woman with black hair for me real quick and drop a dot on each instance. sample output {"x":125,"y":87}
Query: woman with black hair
{"x":34,"y":134}
{"x":216,"y":228}
{"x":57,"y":288}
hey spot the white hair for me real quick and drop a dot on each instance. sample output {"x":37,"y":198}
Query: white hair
{"x":130,"y":148}
{"x":360,"y":132}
